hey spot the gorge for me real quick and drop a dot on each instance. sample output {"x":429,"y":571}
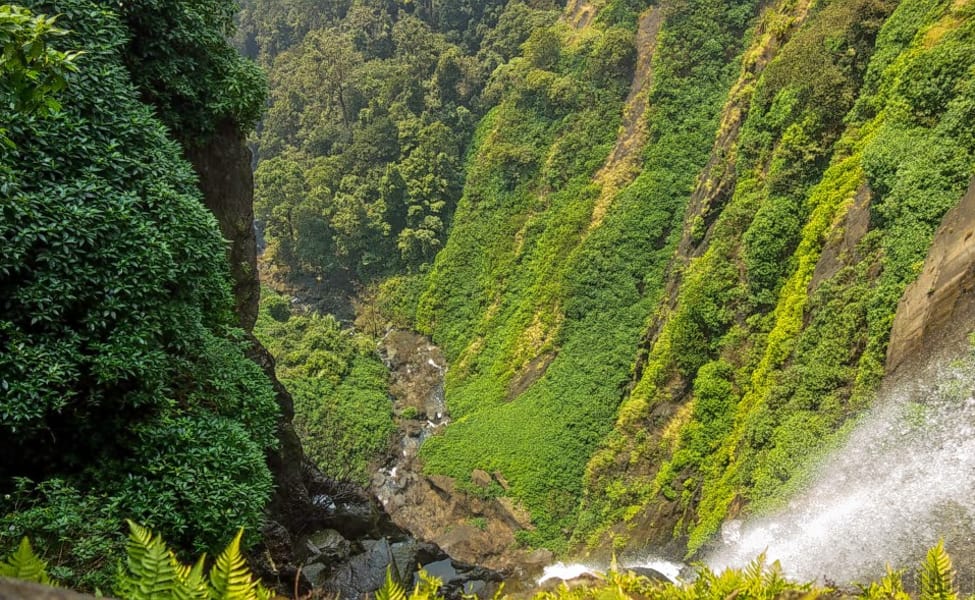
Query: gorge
{"x":672,"y":281}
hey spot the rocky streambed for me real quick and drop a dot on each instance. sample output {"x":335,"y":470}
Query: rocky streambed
{"x":472,"y":528}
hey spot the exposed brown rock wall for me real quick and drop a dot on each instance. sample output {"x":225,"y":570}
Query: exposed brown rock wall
{"x":223,"y":165}
{"x":939,"y":308}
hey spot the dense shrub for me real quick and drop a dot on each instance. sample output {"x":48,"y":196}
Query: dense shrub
{"x":119,"y":353}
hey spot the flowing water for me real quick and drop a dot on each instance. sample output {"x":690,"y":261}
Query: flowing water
{"x":669,"y":569}
{"x":904,"y":478}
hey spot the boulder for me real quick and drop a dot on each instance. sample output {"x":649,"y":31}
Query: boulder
{"x":327,"y":545}
{"x":363,"y":574}
{"x":481,"y":478}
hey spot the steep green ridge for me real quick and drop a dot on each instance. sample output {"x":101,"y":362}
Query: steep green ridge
{"x":774,"y":380}
{"x":764,"y":309}
{"x":526,"y":274}
{"x":125,"y":387}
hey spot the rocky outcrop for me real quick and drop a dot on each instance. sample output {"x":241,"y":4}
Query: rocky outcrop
{"x":940,"y":305}
{"x":12,"y":589}
{"x":223,"y":165}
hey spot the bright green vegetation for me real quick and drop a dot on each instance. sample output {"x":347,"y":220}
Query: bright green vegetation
{"x":32,"y":71}
{"x":529,"y":274}
{"x":372,"y":106}
{"x":343,"y":412}
{"x":154,"y":572}
{"x":643,"y":351}
{"x":125,"y":386}
{"x":782,"y":358}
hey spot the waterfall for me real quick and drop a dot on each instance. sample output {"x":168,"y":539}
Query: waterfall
{"x":904,"y":478}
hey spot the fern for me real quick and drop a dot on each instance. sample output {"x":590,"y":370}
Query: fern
{"x":890,"y":587}
{"x":151,"y":568}
{"x":24,"y":564}
{"x":937,"y":575}
{"x":154,"y":573}
{"x":230,"y":579}
{"x":391,"y":590}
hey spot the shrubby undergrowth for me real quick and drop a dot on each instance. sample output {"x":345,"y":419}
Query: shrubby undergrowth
{"x":125,"y":387}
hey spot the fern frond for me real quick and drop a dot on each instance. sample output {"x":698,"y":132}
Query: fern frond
{"x":151,"y":569}
{"x":192,"y":580}
{"x":391,"y":590}
{"x":25,"y":564}
{"x":938,"y":575}
{"x":890,"y":587}
{"x":230,"y":579}
{"x":428,"y":586}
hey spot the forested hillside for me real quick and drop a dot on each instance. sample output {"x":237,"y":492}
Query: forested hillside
{"x":680,"y":237}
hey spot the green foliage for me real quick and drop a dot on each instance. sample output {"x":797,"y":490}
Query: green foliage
{"x":937,"y":575}
{"x":797,"y":307}
{"x":24,"y":564}
{"x":32,"y":71}
{"x":342,"y":409}
{"x":153,"y":572}
{"x":427,"y":588}
{"x":372,"y":105}
{"x":530,"y":277}
{"x":122,"y":370}
{"x":195,"y":79}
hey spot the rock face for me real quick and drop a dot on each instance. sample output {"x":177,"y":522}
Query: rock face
{"x":12,"y":589}
{"x":223,"y":166}
{"x":941,"y":303}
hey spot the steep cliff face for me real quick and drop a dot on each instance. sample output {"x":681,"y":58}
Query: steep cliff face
{"x":938,"y":310}
{"x":645,"y":356}
{"x":223,"y":165}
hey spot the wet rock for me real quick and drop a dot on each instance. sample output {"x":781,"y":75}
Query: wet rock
{"x":328,"y":545}
{"x":314,"y":574}
{"x":363,"y":574}
{"x":649,"y":573}
{"x":460,"y":578}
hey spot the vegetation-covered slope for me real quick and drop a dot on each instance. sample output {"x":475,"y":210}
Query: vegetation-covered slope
{"x":125,"y":387}
{"x":681,"y":231}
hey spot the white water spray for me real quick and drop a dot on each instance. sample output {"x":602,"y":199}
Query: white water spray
{"x":566,"y":572}
{"x":904,"y":479}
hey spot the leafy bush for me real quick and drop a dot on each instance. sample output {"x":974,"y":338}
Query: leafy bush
{"x":118,"y":344}
{"x":343,"y":413}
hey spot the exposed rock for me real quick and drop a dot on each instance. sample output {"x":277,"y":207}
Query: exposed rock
{"x":329,"y":545}
{"x":417,"y":368}
{"x":649,"y":573}
{"x":315,"y":574}
{"x":223,"y":165}
{"x":841,"y":251}
{"x":462,"y":579}
{"x":13,"y":589}
{"x":363,"y":574}
{"x":481,"y":478}
{"x":943,"y":293}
